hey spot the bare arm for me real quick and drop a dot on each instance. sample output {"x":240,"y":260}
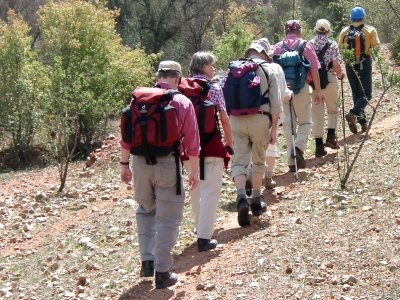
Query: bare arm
{"x":318,"y":92}
{"x":126,"y":173}
{"x":226,"y":126}
{"x":194,"y":178}
{"x":338,"y":70}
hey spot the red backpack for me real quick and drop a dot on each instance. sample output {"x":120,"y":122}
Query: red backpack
{"x":151,"y":126}
{"x":198,"y":91}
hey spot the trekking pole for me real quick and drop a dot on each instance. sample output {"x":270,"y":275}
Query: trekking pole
{"x":293,"y":140}
{"x":343,"y":125}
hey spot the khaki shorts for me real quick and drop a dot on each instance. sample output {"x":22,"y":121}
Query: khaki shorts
{"x":250,"y":141}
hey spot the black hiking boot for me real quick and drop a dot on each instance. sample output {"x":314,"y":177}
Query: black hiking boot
{"x":243,"y":212}
{"x":206,"y":244}
{"x":301,"y":162}
{"x":147,"y":269}
{"x":165,"y":279}
{"x":320,"y":150}
{"x":331,"y":141}
{"x":258,"y":207}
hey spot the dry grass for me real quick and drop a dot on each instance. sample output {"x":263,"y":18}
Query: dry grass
{"x":82,"y":244}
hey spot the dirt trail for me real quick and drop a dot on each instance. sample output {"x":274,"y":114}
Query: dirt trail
{"x":190,"y":264}
{"x":193,"y":267}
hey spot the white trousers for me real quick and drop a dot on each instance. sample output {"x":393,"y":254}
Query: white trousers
{"x":205,"y":197}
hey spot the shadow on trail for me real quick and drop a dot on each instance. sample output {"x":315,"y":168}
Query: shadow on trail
{"x":188,"y":263}
{"x":190,"y":260}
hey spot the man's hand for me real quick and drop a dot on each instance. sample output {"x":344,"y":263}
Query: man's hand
{"x":273,"y":136}
{"x":126,"y":174}
{"x":318,"y":97}
{"x":194,"y":180}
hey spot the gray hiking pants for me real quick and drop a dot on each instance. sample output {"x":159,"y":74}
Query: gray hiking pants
{"x":160,"y":210}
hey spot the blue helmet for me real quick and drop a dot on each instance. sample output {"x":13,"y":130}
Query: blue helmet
{"x":357,"y":13}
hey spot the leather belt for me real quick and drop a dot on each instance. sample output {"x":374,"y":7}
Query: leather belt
{"x":264,"y":113}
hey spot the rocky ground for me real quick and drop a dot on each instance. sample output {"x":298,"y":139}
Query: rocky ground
{"x":316,"y":241}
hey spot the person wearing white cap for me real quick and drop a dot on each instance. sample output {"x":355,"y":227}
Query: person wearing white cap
{"x":329,"y":55}
{"x":361,"y":38}
{"x":272,"y":149}
{"x":161,"y":207}
{"x":252,"y":133}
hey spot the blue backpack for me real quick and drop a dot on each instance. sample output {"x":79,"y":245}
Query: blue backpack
{"x":242,"y":89}
{"x":294,"y":66}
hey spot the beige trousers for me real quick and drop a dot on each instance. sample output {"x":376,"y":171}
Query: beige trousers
{"x":330,"y":94}
{"x":302,"y":121}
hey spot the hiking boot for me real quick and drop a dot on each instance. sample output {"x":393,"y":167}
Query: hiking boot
{"x":243,"y":212}
{"x":351,"y":120}
{"x":301,"y":162}
{"x":320,"y":150}
{"x":331,"y":141}
{"x":258,"y":207}
{"x":147,"y":269}
{"x":206,"y":244}
{"x":364,"y":127}
{"x":248,"y":187}
{"x":292,"y":168}
{"x":165,"y":279}
{"x":269,"y":183}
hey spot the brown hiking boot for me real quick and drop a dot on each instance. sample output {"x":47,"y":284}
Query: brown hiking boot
{"x":351,"y":120}
{"x":320,"y":150}
{"x":331,"y":141}
{"x":269,"y":183}
{"x":364,"y":128}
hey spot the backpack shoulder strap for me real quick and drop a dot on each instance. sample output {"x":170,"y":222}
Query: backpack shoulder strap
{"x":284,"y":47}
{"x":301,"y":46}
{"x":262,"y":69}
{"x":265,"y":74}
{"x":360,"y":27}
{"x":321,"y":52}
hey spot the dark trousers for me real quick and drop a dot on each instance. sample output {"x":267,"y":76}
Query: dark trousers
{"x":360,"y":79}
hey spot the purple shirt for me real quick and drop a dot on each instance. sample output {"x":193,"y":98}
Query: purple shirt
{"x":332,"y":53}
{"x":190,"y":137}
{"x":216,"y":94}
{"x":292,"y":41}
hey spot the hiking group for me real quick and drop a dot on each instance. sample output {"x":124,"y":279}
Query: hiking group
{"x":177,"y":124}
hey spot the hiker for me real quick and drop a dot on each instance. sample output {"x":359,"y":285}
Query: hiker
{"x":213,"y":155}
{"x":361,"y":38}
{"x":159,"y":195}
{"x":329,"y":56}
{"x":272,"y":149}
{"x":253,"y":108}
{"x":298,"y":110}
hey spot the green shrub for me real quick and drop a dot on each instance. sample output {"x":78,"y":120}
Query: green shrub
{"x":395,"y":48}
{"x":79,"y":42}
{"x":23,"y":85}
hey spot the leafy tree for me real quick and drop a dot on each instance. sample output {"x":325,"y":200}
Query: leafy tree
{"x":27,"y":9}
{"x":232,"y":45}
{"x":23,"y":85}
{"x":91,"y":72}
